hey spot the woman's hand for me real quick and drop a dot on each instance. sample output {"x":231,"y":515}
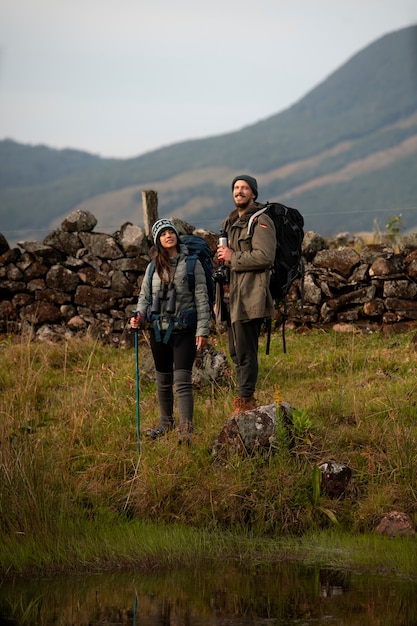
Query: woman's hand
{"x":201,"y":342}
{"x":136,"y":320}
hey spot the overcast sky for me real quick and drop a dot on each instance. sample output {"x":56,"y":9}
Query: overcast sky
{"x":119,"y":78}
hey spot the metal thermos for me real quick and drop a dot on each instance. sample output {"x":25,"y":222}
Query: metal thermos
{"x":223,"y":239}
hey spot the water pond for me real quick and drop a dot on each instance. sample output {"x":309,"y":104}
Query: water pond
{"x":286,"y":595}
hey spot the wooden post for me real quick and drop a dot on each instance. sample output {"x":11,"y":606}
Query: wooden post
{"x":150,"y":210}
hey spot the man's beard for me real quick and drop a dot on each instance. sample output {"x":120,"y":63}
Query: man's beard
{"x":242,"y":204}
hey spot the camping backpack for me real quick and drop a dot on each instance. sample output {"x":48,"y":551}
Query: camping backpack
{"x":288,"y":263}
{"x":198,"y":248}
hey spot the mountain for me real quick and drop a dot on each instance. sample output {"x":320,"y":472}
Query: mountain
{"x":345,"y":155}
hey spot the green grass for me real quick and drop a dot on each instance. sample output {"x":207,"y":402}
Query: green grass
{"x":74,"y":493}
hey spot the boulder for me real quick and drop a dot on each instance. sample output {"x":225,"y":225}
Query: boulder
{"x":400,"y":289}
{"x":94,"y":298}
{"x":65,"y":242}
{"x":382,"y":267}
{"x":358,"y":296}
{"x":370,"y":253}
{"x":101,"y":245}
{"x":312,"y":293}
{"x":209,"y":366}
{"x":394,"y":524}
{"x":4,"y":246}
{"x":52,"y":295}
{"x":312,"y":243}
{"x":404,"y":309}
{"x":79,"y":221}
{"x":13,"y":272}
{"x":53,"y":333}
{"x":343,"y":260}
{"x":374,"y":308}
{"x":44,"y":254}
{"x":7,"y":312}
{"x":61,"y":279}
{"x":335,"y":477}
{"x":40,"y":313}
{"x":247,"y":432}
{"x":360,"y":274}
{"x":90,"y":276}
{"x":34,"y":269}
{"x":132,"y":240}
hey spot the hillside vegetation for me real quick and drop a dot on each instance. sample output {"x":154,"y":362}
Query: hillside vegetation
{"x":71,"y":467}
{"x":345,"y":155}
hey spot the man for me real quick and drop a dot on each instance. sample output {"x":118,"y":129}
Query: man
{"x":249,"y":256}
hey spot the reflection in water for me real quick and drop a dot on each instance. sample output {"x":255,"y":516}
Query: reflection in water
{"x":287,"y":594}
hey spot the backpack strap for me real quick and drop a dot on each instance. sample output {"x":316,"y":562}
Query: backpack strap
{"x":151,"y":271}
{"x":254,"y":218}
{"x":284,"y":319}
{"x":190,"y":266}
{"x":302,"y":270}
{"x":154,"y":317}
{"x":155,"y":321}
{"x":268,"y":335}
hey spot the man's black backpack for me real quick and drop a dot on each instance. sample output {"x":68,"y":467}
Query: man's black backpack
{"x":288,"y":263}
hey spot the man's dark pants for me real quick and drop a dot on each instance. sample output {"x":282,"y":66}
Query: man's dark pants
{"x":243,"y":347}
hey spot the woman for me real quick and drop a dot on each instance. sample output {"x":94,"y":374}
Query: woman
{"x":180,"y":325}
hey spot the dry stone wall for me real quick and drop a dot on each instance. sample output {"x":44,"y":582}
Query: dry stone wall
{"x":374,"y":284}
{"x":76,"y":280}
{"x":79,"y":281}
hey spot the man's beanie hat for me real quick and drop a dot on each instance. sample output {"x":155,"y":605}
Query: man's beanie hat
{"x":248,"y":179}
{"x":160,"y":226}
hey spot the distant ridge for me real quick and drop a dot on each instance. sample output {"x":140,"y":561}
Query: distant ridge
{"x":345,"y":155}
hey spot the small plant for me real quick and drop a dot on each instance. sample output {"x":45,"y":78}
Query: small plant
{"x":316,"y":484}
{"x":302,"y":424}
{"x":377,"y":232}
{"x":278,"y":398}
{"x":394,"y":227}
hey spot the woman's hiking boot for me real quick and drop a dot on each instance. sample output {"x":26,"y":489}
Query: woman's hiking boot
{"x":160,"y":431}
{"x":184,"y":433}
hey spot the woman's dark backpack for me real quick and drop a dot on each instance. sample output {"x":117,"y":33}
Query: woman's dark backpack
{"x":198,"y":248}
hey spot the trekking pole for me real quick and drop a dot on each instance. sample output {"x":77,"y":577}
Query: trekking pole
{"x":137,"y":387}
{"x":135,"y":608}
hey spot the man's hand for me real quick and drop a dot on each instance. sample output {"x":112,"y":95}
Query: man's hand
{"x":224,"y":254}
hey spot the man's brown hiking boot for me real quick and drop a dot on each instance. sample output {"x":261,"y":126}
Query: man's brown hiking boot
{"x":241,"y":405}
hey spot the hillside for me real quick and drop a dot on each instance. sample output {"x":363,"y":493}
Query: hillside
{"x":345,"y":155}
